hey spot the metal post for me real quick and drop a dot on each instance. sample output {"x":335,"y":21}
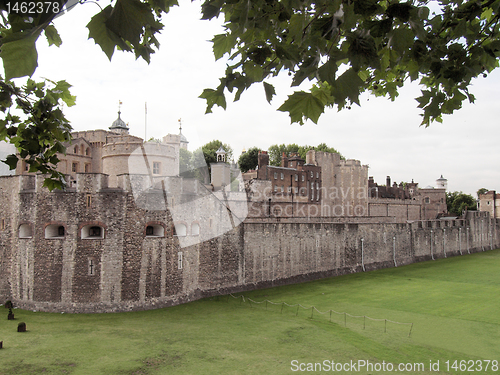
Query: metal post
{"x":460,"y":240}
{"x":432,"y":255}
{"x":444,"y":242}
{"x":362,"y":255}
{"x":394,"y":250}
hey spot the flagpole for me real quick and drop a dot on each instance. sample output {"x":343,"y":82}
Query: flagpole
{"x":145,"y":121}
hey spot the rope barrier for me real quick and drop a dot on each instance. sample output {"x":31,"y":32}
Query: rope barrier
{"x":298,"y":305}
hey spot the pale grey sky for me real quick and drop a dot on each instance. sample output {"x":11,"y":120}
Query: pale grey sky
{"x":385,"y":135}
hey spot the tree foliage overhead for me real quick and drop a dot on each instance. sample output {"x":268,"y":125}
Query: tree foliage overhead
{"x":341,"y":47}
{"x":347,"y":47}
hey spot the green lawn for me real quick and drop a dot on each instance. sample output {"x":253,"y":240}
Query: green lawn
{"x":454,"y":304}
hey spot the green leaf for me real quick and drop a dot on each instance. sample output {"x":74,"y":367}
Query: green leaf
{"x":102,"y":36}
{"x":270,"y":92}
{"x":11,"y":161}
{"x":302,"y":105}
{"x":52,"y":36}
{"x":223,"y":43}
{"x":128,"y":19}
{"x":347,"y":86}
{"x":65,"y":95}
{"x":213,"y":97}
{"x":20,"y":56}
{"x":401,"y":39}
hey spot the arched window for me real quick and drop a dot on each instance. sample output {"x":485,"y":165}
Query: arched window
{"x":195,"y":229}
{"x":87,"y":151}
{"x":25,"y":231}
{"x":75,"y":150}
{"x":180,"y":230}
{"x":155,"y":230}
{"x":55,"y":231}
{"x":92,"y":232}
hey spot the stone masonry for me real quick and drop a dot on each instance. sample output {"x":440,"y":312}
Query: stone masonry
{"x":94,"y":248}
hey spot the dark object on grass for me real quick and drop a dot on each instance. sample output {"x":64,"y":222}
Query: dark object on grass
{"x":21,"y":327}
{"x":10,"y":306}
{"x":1,"y":344}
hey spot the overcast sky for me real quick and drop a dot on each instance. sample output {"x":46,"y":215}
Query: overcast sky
{"x":382,"y":134}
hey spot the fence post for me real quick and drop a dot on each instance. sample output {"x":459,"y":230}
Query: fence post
{"x":330,"y":316}
{"x":282,"y":305}
{"x":409,"y":334}
{"x":345,"y":319}
{"x":364,"y":321}
{"x":394,"y":250}
{"x":444,"y":242}
{"x":362,"y":255}
{"x":312,"y":312}
{"x":297,"y":313}
{"x":385,"y":328}
{"x":460,"y":240}
{"x":432,"y":254}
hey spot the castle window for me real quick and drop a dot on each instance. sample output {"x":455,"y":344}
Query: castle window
{"x":155,"y":230}
{"x":275,"y":188}
{"x":92,"y":232}
{"x":2,"y":224}
{"x":25,"y":231}
{"x":290,"y":164}
{"x":87,"y":168}
{"x":282,"y":176}
{"x":74,"y":167}
{"x":89,"y":200}
{"x":296,"y":190}
{"x":156,"y":167}
{"x":317,"y":174}
{"x":312,"y":174}
{"x":26,"y":167}
{"x":55,"y":231}
{"x":87,"y":151}
{"x":275,"y":175}
{"x":296,"y":177}
{"x":303,"y":178}
{"x":75,"y":150}
{"x":195,"y":229}
{"x":179,"y":260}
{"x":180,"y":230}
{"x":427,"y":200}
{"x":289,"y":189}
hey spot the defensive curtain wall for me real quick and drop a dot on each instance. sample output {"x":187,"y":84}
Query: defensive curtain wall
{"x":99,"y":249}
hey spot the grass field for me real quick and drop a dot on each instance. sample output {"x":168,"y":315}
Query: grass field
{"x":453,"y":303}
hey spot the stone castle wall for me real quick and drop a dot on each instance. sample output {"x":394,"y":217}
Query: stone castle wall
{"x":126,"y":269}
